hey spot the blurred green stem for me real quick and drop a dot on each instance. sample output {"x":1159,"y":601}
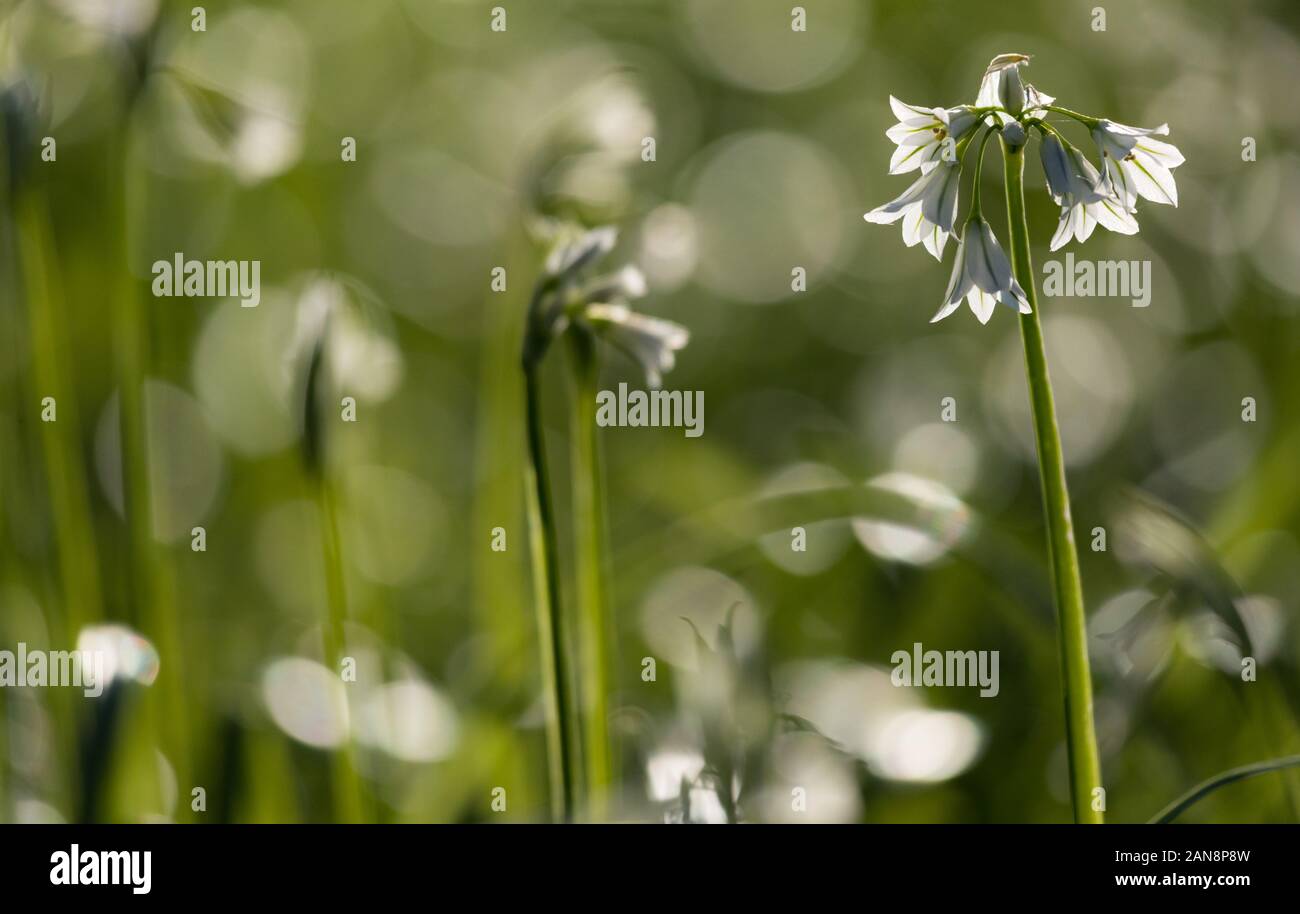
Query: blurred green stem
{"x":1081,"y":739}
{"x":561,"y":741}
{"x":64,"y":472}
{"x":151,"y":584}
{"x":69,"y":498}
{"x":595,"y":627}
{"x":348,"y":802}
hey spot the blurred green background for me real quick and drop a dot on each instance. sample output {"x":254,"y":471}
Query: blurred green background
{"x":470,"y":145}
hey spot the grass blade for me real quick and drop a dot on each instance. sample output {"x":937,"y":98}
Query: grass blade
{"x":1205,"y":788}
{"x":595,"y":626}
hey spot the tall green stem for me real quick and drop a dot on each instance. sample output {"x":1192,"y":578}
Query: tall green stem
{"x":561,"y":738}
{"x":595,"y":628}
{"x":345,"y":782}
{"x":64,"y":474}
{"x":1085,"y":769}
{"x":150,"y":577}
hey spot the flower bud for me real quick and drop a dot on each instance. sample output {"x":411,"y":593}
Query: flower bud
{"x":1056,"y":166}
{"x":1014,"y":134}
{"x":1011,"y":91}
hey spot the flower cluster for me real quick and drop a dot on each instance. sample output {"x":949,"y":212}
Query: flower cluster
{"x":934,"y":140}
{"x":600,"y":304}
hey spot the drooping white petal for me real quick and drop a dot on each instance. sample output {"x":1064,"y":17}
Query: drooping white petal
{"x":1125,"y":130}
{"x":1118,"y":184}
{"x":977,"y":264}
{"x":913,"y":226}
{"x":939,"y":202}
{"x":934,"y":241}
{"x":948,"y":201}
{"x":893,"y":210}
{"x":1016,"y":298}
{"x":982,"y":303}
{"x":1086,"y":184}
{"x":1035,"y":100}
{"x":911,"y":157}
{"x":1064,"y":230}
{"x":911,"y":132}
{"x":959,"y":120}
{"x":958,"y":284}
{"x":1056,"y":166}
{"x":996,"y":259}
{"x":651,"y":341}
{"x":1113,"y":215}
{"x":1141,"y":164}
{"x":1166,"y":154}
{"x":1082,"y":222}
{"x":1152,"y":181}
{"x":902,"y":110}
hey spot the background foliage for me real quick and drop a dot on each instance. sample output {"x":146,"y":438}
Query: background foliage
{"x":769,"y":147}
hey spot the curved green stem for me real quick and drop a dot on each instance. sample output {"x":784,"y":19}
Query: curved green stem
{"x":1081,"y":740}
{"x":595,"y":625}
{"x":1180,"y":805}
{"x":1084,"y":119}
{"x":561,"y":740}
{"x":975,"y":210}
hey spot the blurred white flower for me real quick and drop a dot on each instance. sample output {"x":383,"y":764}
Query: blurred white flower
{"x":1137,"y":165}
{"x":410,"y":720}
{"x":573,"y":253}
{"x":127,"y":655}
{"x":667,"y":768}
{"x":982,"y":275}
{"x":651,"y":341}
{"x":307,"y":701}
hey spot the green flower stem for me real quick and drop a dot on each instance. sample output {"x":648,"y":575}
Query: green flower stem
{"x":69,"y":496}
{"x":64,"y":474}
{"x":1084,"y":119}
{"x":561,"y":739}
{"x":1081,"y":740}
{"x":595,"y":625}
{"x":150,"y":577}
{"x":345,"y":782}
{"x":975,"y":211}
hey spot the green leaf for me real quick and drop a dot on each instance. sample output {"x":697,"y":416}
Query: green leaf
{"x":1183,"y":803}
{"x":1156,"y":537}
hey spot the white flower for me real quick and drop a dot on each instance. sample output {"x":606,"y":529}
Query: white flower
{"x":1085,"y":198}
{"x":624,"y":285}
{"x":1137,"y":165}
{"x":573,"y":252}
{"x":650,"y":340}
{"x":982,"y":275}
{"x":927,"y":208}
{"x":921,"y":134}
{"x":1003,"y":87}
